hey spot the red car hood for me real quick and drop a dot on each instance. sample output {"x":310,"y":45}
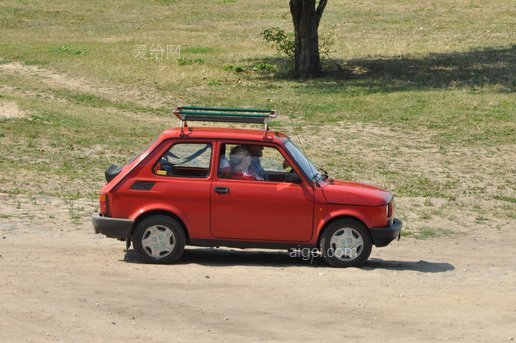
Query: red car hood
{"x":353,"y":193}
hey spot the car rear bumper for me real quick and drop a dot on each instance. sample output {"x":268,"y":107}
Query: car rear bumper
{"x":112,"y":227}
{"x":382,"y":236}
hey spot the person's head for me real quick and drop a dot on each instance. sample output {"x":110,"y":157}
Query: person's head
{"x":239,"y":158}
{"x":255,"y":150}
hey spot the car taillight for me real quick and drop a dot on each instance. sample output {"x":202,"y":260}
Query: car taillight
{"x":103,"y":199}
{"x":390,"y":211}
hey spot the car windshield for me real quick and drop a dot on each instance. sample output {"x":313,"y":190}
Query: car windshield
{"x":303,"y":162}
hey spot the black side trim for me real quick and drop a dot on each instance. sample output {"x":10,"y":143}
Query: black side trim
{"x":112,"y":227}
{"x":143,"y":185}
{"x":382,"y":236}
{"x":249,"y":244}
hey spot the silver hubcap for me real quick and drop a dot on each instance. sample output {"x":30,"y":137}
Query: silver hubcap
{"x":346,"y":244}
{"x":158,"y":241}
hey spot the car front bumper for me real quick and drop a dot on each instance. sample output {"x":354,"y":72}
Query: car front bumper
{"x":112,"y":227}
{"x":382,"y":236}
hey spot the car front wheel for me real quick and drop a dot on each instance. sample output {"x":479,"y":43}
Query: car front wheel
{"x":346,"y":243}
{"x":159,"y":239}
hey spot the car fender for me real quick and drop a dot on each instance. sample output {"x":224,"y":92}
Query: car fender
{"x":332,"y":214}
{"x":159,"y":207}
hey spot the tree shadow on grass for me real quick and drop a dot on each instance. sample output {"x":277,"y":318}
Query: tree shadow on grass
{"x":214,"y":257}
{"x":472,"y":69}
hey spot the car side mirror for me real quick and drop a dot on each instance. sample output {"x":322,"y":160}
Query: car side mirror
{"x":112,"y":172}
{"x":292,"y":178}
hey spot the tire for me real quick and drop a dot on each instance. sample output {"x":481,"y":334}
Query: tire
{"x":346,"y":243}
{"x":159,"y":239}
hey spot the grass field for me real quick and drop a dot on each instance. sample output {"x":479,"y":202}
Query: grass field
{"x":418,"y":96}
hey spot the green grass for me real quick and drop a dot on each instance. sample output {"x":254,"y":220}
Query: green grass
{"x":65,"y":49}
{"x":188,"y":61}
{"x":505,"y":198}
{"x":198,"y":50}
{"x":427,"y":233}
{"x":443,"y":70}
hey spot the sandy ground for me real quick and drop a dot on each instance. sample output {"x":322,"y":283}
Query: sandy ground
{"x":62,"y":285}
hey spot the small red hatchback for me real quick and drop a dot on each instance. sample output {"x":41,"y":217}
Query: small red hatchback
{"x":239,"y":188}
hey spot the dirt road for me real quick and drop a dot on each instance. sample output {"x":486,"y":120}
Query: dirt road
{"x":77,"y":286}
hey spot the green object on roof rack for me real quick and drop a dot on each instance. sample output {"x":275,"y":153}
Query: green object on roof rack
{"x":224,"y":114}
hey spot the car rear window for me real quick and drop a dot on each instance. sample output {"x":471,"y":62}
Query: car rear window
{"x":185,"y":160}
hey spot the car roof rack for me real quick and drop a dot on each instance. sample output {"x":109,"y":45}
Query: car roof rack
{"x":224,"y":114}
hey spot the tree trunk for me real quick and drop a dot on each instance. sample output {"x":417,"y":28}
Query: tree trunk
{"x":306,"y":18}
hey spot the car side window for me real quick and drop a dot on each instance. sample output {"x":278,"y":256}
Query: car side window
{"x":185,"y":160}
{"x":254,"y":162}
{"x":272,"y":160}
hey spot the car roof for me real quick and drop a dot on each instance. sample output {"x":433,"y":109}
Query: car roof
{"x":223,"y":133}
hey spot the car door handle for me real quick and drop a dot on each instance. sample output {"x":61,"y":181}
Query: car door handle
{"x":221,"y":190}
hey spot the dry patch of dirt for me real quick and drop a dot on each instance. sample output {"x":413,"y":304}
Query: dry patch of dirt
{"x":10,"y":110}
{"x":22,"y":214}
{"x":144,"y":97}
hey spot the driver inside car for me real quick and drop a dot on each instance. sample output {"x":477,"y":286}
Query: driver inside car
{"x":256,"y":152}
{"x":240,"y":163}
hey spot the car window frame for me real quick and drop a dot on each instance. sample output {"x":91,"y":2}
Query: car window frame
{"x":283,"y":152}
{"x":168,"y":144}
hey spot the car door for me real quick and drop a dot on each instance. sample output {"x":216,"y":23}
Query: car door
{"x":272,"y":209}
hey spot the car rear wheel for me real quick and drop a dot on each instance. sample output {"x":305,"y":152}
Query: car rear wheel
{"x":346,"y":243}
{"x":159,"y":239}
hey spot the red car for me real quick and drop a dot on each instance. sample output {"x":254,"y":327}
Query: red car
{"x":239,"y":188}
